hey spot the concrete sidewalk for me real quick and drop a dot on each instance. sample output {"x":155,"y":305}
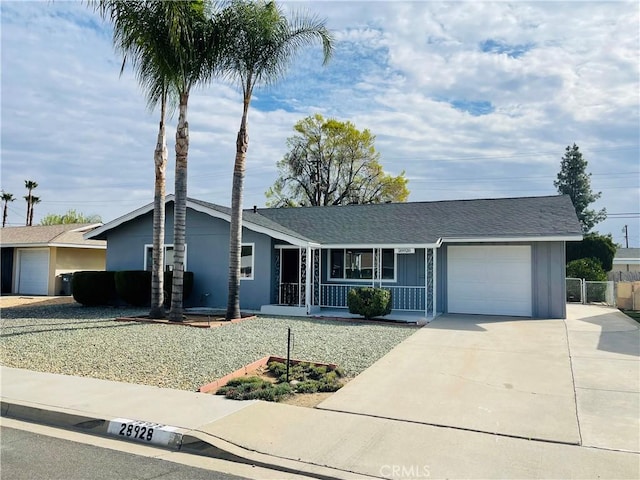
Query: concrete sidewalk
{"x":472,"y":360}
{"x":295,"y":439}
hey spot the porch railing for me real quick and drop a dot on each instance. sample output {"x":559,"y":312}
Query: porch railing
{"x":289,"y":294}
{"x":402,"y":298}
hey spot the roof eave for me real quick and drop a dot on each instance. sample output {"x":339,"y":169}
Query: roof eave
{"x":569,"y":237}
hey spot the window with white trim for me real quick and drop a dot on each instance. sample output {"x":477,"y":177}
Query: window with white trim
{"x":357,"y":264}
{"x":247,"y":261}
{"x":168,"y":257}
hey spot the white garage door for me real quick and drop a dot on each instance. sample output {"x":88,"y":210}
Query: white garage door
{"x":489,"y":280}
{"x":33,"y":272}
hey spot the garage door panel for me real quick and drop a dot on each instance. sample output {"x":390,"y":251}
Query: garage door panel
{"x":33,"y":272}
{"x":490,"y":280}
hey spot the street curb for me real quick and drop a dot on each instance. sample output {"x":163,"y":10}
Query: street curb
{"x":185,"y":441}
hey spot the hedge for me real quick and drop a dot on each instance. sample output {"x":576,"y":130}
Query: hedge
{"x":125,"y":286}
{"x":94,"y":288}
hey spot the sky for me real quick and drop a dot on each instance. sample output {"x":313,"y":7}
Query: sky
{"x":469,"y":99}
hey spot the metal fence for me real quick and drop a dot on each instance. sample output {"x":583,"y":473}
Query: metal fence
{"x":584,"y":291}
{"x":574,"y":290}
{"x":402,"y":298}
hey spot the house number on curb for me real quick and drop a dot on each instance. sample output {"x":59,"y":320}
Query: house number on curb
{"x":146,"y":432}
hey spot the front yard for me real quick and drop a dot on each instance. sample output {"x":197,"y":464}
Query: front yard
{"x":85,"y":341}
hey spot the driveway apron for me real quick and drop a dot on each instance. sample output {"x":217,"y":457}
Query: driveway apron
{"x":508,"y":376}
{"x":605,"y":353}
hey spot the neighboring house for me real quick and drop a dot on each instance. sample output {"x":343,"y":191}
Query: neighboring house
{"x":626,"y":260}
{"x":34,"y":258}
{"x":495,"y":256}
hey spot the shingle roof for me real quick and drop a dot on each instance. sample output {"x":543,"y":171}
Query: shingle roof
{"x":69,"y":234}
{"x":426,"y":222}
{"x":627,"y":253}
{"x":249,"y":217}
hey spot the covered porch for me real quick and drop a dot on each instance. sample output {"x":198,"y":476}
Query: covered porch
{"x":315,"y":281}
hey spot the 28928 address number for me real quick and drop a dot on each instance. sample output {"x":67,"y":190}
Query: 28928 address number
{"x":140,"y":432}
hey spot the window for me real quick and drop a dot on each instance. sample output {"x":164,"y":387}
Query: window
{"x":246,"y":262}
{"x":168,"y":257}
{"x":357,"y":264}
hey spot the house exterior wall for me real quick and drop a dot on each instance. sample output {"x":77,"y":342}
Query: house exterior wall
{"x":69,"y":260}
{"x":549,"y":280}
{"x":625,"y":267}
{"x":548,"y":277}
{"x":207,"y":256}
{"x":409,"y":271}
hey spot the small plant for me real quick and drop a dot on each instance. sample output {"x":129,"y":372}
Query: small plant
{"x":369,"y":302}
{"x":254,"y":388}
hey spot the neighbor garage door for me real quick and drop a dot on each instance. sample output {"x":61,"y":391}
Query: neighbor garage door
{"x":33,"y":272}
{"x":489,"y":280}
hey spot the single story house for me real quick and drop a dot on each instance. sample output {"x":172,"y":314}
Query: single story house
{"x":626,"y":260}
{"x":34,"y":258}
{"x":501,"y":256}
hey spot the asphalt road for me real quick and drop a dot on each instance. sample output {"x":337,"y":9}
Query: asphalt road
{"x":28,"y":455}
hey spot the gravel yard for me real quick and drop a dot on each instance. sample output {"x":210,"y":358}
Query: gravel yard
{"x":86,"y":341}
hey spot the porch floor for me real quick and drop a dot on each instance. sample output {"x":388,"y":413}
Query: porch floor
{"x":395,"y":315}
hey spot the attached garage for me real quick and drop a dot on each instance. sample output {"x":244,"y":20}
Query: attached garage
{"x":489,"y":280}
{"x":33,"y":271}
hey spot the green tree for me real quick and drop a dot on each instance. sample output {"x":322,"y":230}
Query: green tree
{"x":593,"y":245}
{"x":30,"y":185}
{"x":6,"y":198}
{"x":333,"y":163}
{"x":172,"y":48}
{"x":586,"y":268}
{"x":71,"y":216}
{"x":260,"y":43}
{"x":573,"y":180}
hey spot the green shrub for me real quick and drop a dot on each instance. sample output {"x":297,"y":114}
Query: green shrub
{"x":277,"y":368}
{"x":134,"y":287}
{"x":586,"y":268}
{"x":254,"y":388}
{"x":369,"y":302}
{"x":94,"y":288}
{"x":308,"y":386}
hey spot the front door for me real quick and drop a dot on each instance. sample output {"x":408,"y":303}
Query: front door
{"x":290,"y":277}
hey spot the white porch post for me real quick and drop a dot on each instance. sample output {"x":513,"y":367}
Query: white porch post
{"x":435,"y":285}
{"x":309,"y":276}
{"x":426,"y":282}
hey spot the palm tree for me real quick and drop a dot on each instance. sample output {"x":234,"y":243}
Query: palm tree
{"x":34,"y":201}
{"x":6,"y":198}
{"x":261,"y":41}
{"x":161,"y":38}
{"x":30,"y":185}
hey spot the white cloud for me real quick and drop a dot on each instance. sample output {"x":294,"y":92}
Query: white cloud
{"x":553,"y":74}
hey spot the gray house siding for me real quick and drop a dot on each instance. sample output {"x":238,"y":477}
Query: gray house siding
{"x":409,"y":270}
{"x":207,"y":257}
{"x":548,"y":277}
{"x":549,"y":285}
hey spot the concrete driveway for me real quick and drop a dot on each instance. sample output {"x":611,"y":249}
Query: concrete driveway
{"x":511,"y":376}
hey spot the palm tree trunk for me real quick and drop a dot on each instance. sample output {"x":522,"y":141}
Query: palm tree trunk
{"x":160,"y":161}
{"x":5,"y":213}
{"x":28,"y":207}
{"x":180,"y":211}
{"x":235,"y":226}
